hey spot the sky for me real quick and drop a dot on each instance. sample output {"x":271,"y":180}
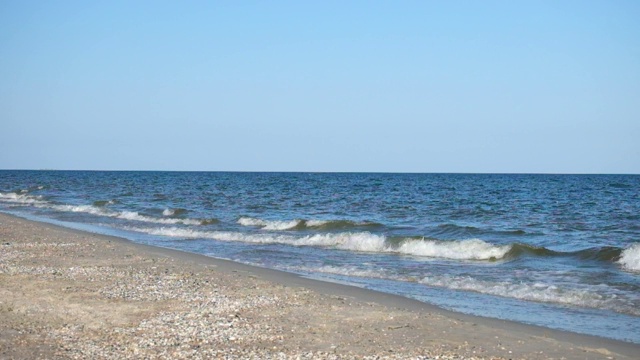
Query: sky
{"x":356,"y":86}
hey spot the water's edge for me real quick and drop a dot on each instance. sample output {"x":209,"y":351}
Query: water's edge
{"x":339,"y":289}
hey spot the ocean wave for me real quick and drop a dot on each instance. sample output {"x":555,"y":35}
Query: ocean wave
{"x":89,"y":209}
{"x":101,"y":203}
{"x":464,"y":250}
{"x":99,"y":209}
{"x":341,"y":224}
{"x":269,"y":224}
{"x":538,"y":292}
{"x":124,"y":215}
{"x":610,"y":254}
{"x":301,"y":224}
{"x":473,"y":249}
{"x":599,"y":253}
{"x":174,"y":212}
{"x":348,"y":271}
{"x":630,"y":258}
{"x":21,"y":198}
{"x":459,"y":230}
{"x":365,"y":242}
{"x":132,"y":215}
{"x":620,"y":185}
{"x":519,"y":250}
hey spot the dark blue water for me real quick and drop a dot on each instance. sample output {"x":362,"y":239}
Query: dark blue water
{"x":562,"y":251}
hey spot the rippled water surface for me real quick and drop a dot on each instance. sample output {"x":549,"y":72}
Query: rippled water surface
{"x":561,"y":251}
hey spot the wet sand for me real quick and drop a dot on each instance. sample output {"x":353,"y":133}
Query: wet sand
{"x":67,"y":294}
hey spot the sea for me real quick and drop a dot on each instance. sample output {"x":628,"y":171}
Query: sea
{"x":558,"y":251}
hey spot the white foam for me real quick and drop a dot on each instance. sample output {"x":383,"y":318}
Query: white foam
{"x":132,"y":215}
{"x":630,"y":258}
{"x":94,"y":210}
{"x":175,"y":232}
{"x":290,"y":224}
{"x":473,"y":249}
{"x":125,"y":215}
{"x":268,"y":224}
{"x":247,"y":221}
{"x":90,"y":209}
{"x":360,"y":241}
{"x":345,"y":241}
{"x":316,"y":223}
{"x":348,"y":271}
{"x":539,"y":292}
{"x":352,"y":241}
{"x":168,"y":212}
{"x":21,"y":198}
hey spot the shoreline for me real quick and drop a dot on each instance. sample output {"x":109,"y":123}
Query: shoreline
{"x":268,"y":314}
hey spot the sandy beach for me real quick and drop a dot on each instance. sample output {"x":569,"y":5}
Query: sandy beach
{"x":66,"y":294}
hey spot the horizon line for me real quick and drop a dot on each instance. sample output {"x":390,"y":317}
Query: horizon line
{"x":329,"y":172}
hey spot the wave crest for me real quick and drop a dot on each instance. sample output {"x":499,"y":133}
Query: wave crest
{"x":99,"y":208}
{"x":538,"y":292}
{"x":630,"y":258}
{"x":472,"y":249}
{"x":300,"y":224}
{"x":269,"y":224}
{"x":529,"y":291}
{"x":21,"y":198}
{"x":174,"y":211}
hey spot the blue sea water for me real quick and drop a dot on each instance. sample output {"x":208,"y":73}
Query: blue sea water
{"x":561,"y":251}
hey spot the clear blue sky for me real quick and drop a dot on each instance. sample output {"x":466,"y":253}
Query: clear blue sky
{"x":392,"y":86}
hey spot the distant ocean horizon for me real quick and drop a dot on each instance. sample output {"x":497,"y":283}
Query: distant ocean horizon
{"x":331,"y":172}
{"x":555,"y":250}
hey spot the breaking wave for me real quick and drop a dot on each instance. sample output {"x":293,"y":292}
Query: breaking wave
{"x":473,"y":249}
{"x":174,"y":212}
{"x":269,"y":225}
{"x":130,"y":215}
{"x":301,"y":224}
{"x":99,"y":209}
{"x":630,"y":258}
{"x":465,"y":250}
{"x":610,"y":254}
{"x":21,"y":198}
{"x":538,"y":292}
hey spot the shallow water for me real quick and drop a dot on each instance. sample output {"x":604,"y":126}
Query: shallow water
{"x":561,"y":251}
